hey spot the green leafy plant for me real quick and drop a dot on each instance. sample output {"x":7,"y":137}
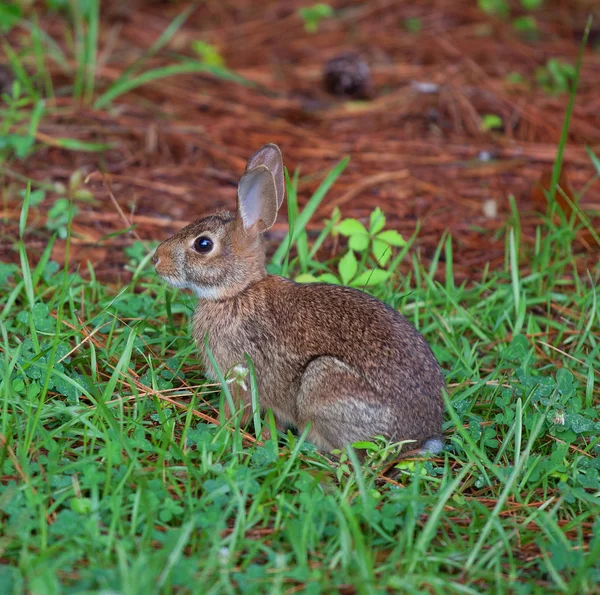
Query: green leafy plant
{"x":501,"y":8}
{"x":515,"y":78}
{"x":526,"y":24}
{"x":58,"y":216}
{"x":532,"y":4}
{"x":313,"y":15}
{"x":374,"y":247}
{"x":498,"y":8}
{"x":377,"y":240}
{"x":413,"y":24}
{"x":20,"y":120}
{"x":491,"y":122}
{"x":556,"y":76}
{"x":63,"y":209}
{"x":208,"y":53}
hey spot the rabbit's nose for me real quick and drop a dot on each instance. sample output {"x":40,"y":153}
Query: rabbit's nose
{"x":155,"y":259}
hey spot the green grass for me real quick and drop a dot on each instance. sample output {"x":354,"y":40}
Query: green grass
{"x":119,"y":473}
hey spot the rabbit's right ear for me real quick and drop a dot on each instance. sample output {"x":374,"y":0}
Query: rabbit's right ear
{"x":257,"y":198}
{"x":270,"y":156}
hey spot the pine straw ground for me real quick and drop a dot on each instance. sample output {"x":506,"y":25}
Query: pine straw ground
{"x":179,"y":144}
{"x":178,"y":148}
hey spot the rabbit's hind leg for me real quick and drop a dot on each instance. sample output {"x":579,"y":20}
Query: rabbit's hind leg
{"x":341,"y":407}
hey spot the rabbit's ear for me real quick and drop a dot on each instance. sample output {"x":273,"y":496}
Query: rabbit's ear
{"x":257,"y":198}
{"x":270,"y":156}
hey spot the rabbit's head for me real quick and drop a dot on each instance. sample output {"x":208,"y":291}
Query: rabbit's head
{"x":220,"y":255}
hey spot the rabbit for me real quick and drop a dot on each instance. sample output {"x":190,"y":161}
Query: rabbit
{"x":331,"y":356}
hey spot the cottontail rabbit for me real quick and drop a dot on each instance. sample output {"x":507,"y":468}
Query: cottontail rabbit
{"x":332,"y":356}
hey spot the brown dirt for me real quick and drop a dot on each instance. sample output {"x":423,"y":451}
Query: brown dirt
{"x":180,"y":144}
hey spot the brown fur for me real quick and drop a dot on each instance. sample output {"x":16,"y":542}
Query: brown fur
{"x":332,"y":356}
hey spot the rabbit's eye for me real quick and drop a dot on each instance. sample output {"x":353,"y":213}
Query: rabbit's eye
{"x":203,"y":245}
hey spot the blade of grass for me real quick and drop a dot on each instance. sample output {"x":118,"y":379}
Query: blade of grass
{"x":581,"y":215}
{"x":292,"y":205}
{"x":594,"y":159}
{"x":91,"y":49}
{"x":450,"y":287}
{"x":73,"y":144}
{"x":320,"y":239}
{"x":40,"y":57}
{"x":569,"y":112}
{"x":35,"y":117}
{"x":156,"y":74}
{"x":162,"y":40}
{"x":254,"y":395}
{"x":26,"y":271}
{"x":516,"y":284}
{"x":220,"y":376}
{"x":76,"y":10}
{"x":19,"y":71}
{"x":309,"y":210}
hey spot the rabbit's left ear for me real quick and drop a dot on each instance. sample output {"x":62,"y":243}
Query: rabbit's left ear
{"x":270,"y":156}
{"x":257,"y":198}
